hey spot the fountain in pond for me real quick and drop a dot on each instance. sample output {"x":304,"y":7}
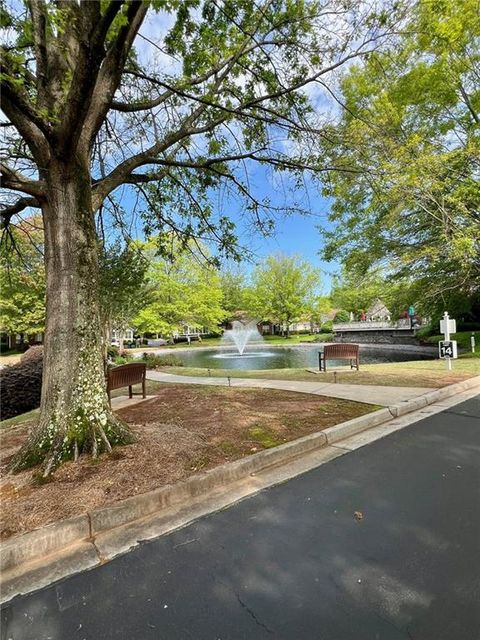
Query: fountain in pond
{"x":241,"y":334}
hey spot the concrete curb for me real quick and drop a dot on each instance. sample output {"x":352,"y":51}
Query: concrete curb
{"x":402,"y":408}
{"x":43,"y":546}
{"x":143,"y":505}
{"x":352,"y":427}
{"x":43,"y":542}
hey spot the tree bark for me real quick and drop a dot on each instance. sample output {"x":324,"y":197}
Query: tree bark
{"x":74,"y":412}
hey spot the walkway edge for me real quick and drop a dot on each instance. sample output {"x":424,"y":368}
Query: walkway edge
{"x":36,"y":558}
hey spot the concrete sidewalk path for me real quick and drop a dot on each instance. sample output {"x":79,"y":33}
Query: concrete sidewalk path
{"x":122,"y":402}
{"x":370,"y":394}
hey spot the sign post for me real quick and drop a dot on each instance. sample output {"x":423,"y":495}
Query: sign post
{"x":447,"y":348}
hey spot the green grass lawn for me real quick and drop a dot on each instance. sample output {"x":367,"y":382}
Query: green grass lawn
{"x":206,"y":342}
{"x":23,"y":417}
{"x":463,"y":341}
{"x":423,"y":373}
{"x":298,"y":338}
{"x":10,"y":352}
{"x":215,"y":342}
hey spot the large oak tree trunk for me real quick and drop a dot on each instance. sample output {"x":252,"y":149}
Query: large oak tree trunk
{"x":74,"y":414}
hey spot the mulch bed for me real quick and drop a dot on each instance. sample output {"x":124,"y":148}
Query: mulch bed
{"x":183,"y":430}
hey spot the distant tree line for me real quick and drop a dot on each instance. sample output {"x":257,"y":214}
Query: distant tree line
{"x":155,"y":292}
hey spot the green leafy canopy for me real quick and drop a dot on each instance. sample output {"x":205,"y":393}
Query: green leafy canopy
{"x":409,"y":139}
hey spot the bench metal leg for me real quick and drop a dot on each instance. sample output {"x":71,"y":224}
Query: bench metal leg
{"x":130,"y":392}
{"x":321,"y":360}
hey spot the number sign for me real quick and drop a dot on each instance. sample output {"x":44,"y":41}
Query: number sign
{"x":447,"y":348}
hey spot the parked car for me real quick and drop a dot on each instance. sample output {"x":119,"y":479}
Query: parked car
{"x":187,"y":339}
{"x":127,"y":344}
{"x":157,"y":342}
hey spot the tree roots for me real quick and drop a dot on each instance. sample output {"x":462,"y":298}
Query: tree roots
{"x":50,"y":448}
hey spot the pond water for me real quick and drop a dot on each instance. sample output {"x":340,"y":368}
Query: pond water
{"x":263,"y":357}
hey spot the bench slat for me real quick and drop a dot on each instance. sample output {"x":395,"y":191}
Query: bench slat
{"x":333,"y":351}
{"x":343,"y":351}
{"x":126,"y":375}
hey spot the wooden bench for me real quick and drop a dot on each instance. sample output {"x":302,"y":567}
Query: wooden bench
{"x":342,"y":351}
{"x":126,"y":375}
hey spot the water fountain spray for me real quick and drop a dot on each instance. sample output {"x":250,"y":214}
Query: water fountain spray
{"x":241,"y":334}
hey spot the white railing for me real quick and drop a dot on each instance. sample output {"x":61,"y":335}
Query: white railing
{"x":366,"y":325}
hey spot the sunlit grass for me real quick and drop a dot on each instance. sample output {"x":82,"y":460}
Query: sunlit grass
{"x":422,"y":373}
{"x":23,"y":417}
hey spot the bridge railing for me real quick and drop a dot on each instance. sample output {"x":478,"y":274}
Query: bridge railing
{"x":365,"y":325}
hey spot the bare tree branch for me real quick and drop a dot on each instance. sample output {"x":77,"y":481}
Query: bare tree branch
{"x":89,"y":58}
{"x":28,"y":128}
{"x":111,"y":71}
{"x":38,"y":12}
{"x":12,"y":179}
{"x":8,"y":211}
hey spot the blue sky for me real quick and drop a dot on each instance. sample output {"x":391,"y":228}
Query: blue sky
{"x":299,"y":235}
{"x":293,"y":234}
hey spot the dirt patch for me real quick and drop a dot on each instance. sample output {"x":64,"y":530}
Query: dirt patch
{"x":183,"y":430}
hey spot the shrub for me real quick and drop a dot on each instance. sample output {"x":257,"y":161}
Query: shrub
{"x":341,"y":316}
{"x":21,"y":384}
{"x":468,"y":326}
{"x":327,"y":327}
{"x":425,"y":332}
{"x":112,"y":352}
{"x":324,"y":337}
{"x":154,"y":362}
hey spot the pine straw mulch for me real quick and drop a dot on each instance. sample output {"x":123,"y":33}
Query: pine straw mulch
{"x":183,"y":430}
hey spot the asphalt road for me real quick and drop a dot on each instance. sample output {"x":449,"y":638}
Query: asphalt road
{"x":294,"y":563}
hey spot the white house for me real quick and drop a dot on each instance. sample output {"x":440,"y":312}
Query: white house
{"x":185,"y":331}
{"x":378,"y":311}
{"x":117,"y":336}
